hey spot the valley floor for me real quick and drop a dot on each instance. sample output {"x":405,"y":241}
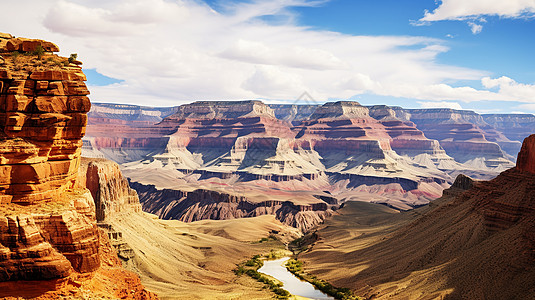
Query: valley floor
{"x":178,"y":260}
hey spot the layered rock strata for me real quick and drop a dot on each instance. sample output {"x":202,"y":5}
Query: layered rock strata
{"x":110,"y":190}
{"x":341,"y":147}
{"x":37,"y":246}
{"x":204,"y":204}
{"x":461,"y":134}
{"x":475,"y":242}
{"x":514,"y":126}
{"x":48,"y":228}
{"x":43,"y":108}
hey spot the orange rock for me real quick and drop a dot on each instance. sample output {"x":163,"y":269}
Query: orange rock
{"x":29,"y":45}
{"x":43,"y":118}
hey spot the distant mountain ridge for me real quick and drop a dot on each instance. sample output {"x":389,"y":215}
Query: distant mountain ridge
{"x":404,"y":157}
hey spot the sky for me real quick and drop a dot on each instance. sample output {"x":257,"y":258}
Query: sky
{"x":462,"y":54}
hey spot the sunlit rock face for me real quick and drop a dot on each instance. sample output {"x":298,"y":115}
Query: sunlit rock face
{"x":43,"y":108}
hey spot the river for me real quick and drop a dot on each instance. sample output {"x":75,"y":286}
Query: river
{"x":275,"y":268}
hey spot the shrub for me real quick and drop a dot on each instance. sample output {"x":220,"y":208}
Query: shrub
{"x":39,"y":51}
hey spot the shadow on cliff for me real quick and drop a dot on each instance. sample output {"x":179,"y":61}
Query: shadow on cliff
{"x":30,"y":289}
{"x":476,"y":241}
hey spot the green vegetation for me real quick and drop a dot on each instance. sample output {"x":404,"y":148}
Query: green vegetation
{"x":271,"y":238}
{"x":39,"y":51}
{"x":15,"y":56}
{"x":296,"y":267}
{"x":251,"y":267}
{"x":255,"y":262}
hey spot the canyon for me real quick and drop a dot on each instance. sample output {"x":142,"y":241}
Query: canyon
{"x":234,"y":159}
{"x":474,"y":242}
{"x":72,"y":228}
{"x":173,"y":199}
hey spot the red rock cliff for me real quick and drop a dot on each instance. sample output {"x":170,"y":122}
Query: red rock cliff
{"x":43,"y":106}
{"x":526,"y":156}
{"x":48,"y":229}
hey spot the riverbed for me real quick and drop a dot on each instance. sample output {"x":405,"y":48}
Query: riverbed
{"x":276,"y":269}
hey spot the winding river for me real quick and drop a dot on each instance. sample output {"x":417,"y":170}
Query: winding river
{"x":275,"y":268}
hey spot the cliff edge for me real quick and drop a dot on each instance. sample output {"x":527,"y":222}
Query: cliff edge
{"x":50,"y":245}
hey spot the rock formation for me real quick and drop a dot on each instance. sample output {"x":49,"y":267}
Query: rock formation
{"x":43,"y":110}
{"x":526,"y":156}
{"x":110,"y":190}
{"x":475,"y":242}
{"x":341,"y":147}
{"x":298,"y":209}
{"x":48,"y":229}
{"x":461,"y":134}
{"x":514,"y":126}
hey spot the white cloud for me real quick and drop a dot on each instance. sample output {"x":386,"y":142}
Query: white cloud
{"x":171,"y":52}
{"x":525,"y":108}
{"x":475,"y":28}
{"x":272,"y":82}
{"x":510,"y":89}
{"x":442,"y":104}
{"x":474,"y":10}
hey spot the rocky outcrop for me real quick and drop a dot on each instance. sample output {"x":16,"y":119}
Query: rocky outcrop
{"x":48,"y":228}
{"x":37,"y":246}
{"x":42,"y":120}
{"x":43,"y":110}
{"x":462,"y":136}
{"x":110,"y":190}
{"x":526,"y":156}
{"x":202,"y":204}
{"x":406,"y":138}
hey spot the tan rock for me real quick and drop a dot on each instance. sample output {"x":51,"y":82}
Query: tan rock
{"x":29,"y":45}
{"x":5,"y":35}
{"x":43,"y":117}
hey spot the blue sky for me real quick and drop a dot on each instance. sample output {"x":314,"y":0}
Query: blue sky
{"x":453,"y":53}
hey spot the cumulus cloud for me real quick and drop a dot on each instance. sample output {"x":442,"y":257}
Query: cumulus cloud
{"x":510,"y":89}
{"x":525,"y":107}
{"x":473,"y":11}
{"x":171,"y":52}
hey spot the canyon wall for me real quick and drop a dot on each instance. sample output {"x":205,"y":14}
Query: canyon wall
{"x":340,"y":147}
{"x":304,"y":213}
{"x":48,"y":226}
{"x":43,"y":110}
{"x":475,"y":242}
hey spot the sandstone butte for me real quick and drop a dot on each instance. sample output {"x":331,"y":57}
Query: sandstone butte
{"x":48,"y":228}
